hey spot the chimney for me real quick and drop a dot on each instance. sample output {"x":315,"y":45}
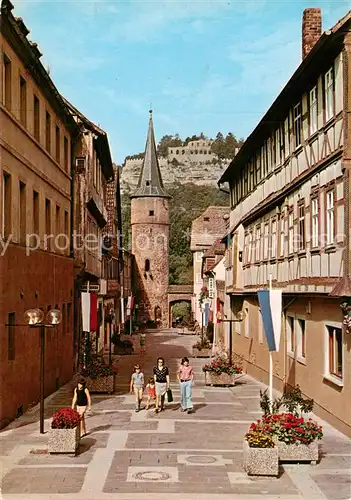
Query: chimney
{"x":311,"y":29}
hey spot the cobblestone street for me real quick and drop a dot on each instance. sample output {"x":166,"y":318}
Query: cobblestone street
{"x":128,"y":455}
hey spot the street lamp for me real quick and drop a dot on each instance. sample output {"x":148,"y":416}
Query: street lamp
{"x":239,"y":318}
{"x":34,"y":319}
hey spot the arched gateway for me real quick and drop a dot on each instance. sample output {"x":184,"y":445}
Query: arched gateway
{"x":178,"y":293}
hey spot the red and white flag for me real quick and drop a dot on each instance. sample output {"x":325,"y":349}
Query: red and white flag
{"x":89,"y":311}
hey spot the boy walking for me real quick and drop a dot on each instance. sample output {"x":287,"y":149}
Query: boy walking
{"x":137,"y":386}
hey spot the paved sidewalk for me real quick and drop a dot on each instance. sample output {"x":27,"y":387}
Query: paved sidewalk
{"x":172,"y":455}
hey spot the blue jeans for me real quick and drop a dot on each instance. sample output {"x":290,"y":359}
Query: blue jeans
{"x":186,"y":389}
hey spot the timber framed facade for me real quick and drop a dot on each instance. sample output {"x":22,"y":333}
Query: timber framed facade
{"x":290,"y":221}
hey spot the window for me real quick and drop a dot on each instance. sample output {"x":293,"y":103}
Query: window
{"x":57,"y":144}
{"x":258,"y":243}
{"x":36,"y":118}
{"x":286,"y":138}
{"x":47,"y":224}
{"x":258,"y":168}
{"x":249,"y":251}
{"x":11,"y":336}
{"x":36,"y":212}
{"x":315,"y":222}
{"x":147,"y":266}
{"x":6,"y":205}
{"x":151,"y":213}
{"x":266,"y":241}
{"x":277,"y":148}
{"x":66,"y":223}
{"x":313,"y":110}
{"x":264,"y":160}
{"x":65,"y":153}
{"x":48,"y":132}
{"x":302,"y":234}
{"x":282,"y":236}
{"x":198,"y":278}
{"x":22,"y":212}
{"x":335,"y":351}
{"x":297,"y":124}
{"x":290,"y":334}
{"x":58,"y":219}
{"x":23,"y":101}
{"x":301,"y":338}
{"x":330,"y":217}
{"x":291,"y":232}
{"x":7,"y":83}
{"x":329,"y":94}
{"x":274,"y":239}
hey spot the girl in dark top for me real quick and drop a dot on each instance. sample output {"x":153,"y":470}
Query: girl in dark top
{"x":81,"y":398}
{"x":161,"y":377}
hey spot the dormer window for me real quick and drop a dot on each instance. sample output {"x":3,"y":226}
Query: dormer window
{"x":151,"y":213}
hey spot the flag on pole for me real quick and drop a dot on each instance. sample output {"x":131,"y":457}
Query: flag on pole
{"x":89,"y":311}
{"x":271,"y":310}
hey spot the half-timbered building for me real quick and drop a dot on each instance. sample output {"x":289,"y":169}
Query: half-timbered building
{"x":290,"y":222}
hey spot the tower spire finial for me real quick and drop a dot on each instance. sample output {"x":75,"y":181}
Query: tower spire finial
{"x":150,"y":180}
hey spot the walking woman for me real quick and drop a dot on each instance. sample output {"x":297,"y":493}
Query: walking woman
{"x":81,"y":398}
{"x":161,"y":377}
{"x":186,"y":377}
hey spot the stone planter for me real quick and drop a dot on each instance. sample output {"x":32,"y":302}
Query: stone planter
{"x":64,"y":440}
{"x":101,"y":384}
{"x":212,"y":378}
{"x":202,"y":353}
{"x":298,"y":452}
{"x":260,"y":461}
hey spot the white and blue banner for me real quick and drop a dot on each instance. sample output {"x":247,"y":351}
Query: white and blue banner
{"x":271,"y":310}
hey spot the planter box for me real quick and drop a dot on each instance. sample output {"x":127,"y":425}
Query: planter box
{"x":64,"y":440}
{"x":202,"y":353}
{"x":212,"y":378}
{"x":101,"y":384}
{"x":298,"y":452}
{"x":260,"y":461}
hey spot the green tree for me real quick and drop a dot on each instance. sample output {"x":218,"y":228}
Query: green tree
{"x":218,"y":146}
{"x":167,"y":141}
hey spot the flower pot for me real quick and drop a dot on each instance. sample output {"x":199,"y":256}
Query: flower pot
{"x":298,"y":452}
{"x":260,"y":461}
{"x":211,"y":378}
{"x":101,"y":384}
{"x":202,"y":353}
{"x":64,"y":440}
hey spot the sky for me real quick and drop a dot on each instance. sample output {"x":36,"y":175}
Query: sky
{"x":202,"y":65}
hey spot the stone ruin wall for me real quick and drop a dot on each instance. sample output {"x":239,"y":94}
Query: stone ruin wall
{"x":196,"y":169}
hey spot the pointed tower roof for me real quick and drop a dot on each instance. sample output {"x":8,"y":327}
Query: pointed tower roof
{"x":150,"y":180}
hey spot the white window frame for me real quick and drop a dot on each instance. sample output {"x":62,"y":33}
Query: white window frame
{"x":249,"y":251}
{"x":265,"y":241}
{"x":330,"y":217}
{"x":258,"y":244}
{"x":274,"y":239}
{"x":313,"y":110}
{"x":290,"y":335}
{"x":315,"y":223}
{"x":291,"y":233}
{"x":300,"y":345}
{"x":297,"y":124}
{"x":339,"y":381}
{"x":329,"y":94}
{"x":282,"y":223}
{"x":302,"y":226}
